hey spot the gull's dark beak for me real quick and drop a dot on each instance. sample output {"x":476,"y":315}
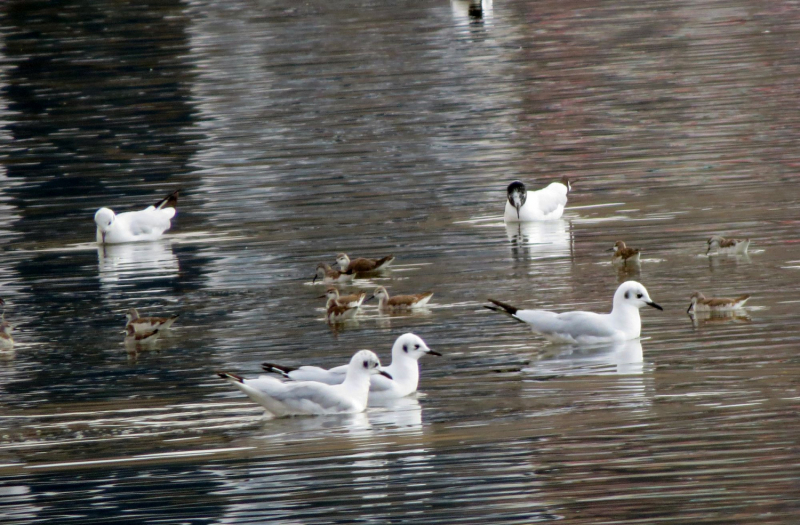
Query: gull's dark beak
{"x":385,"y":374}
{"x":517,"y":205}
{"x":654,"y":305}
{"x":434,"y":352}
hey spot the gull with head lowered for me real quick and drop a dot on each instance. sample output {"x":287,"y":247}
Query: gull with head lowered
{"x":622,"y":324}
{"x":136,"y":226}
{"x":407,"y":350}
{"x":541,"y":205}
{"x":310,"y":397}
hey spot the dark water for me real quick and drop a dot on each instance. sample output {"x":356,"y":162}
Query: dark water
{"x":299,"y":130}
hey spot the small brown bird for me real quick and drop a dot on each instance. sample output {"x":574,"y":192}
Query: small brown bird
{"x":326,"y":274}
{"x":400,"y":302}
{"x":143,"y":325}
{"x":132,"y":337}
{"x":720,"y":245}
{"x":352,"y":300}
{"x":701,"y":303}
{"x":338,"y":314}
{"x":362,"y":265}
{"x":6,"y":341}
{"x":623,"y":254}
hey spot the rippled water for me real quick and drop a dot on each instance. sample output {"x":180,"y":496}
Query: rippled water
{"x":297,"y":131}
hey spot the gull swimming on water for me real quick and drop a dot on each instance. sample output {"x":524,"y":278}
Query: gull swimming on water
{"x":701,"y":303}
{"x":581,"y":327}
{"x":136,"y":226}
{"x":311,"y":397}
{"x":541,"y":205}
{"x":720,"y":245}
{"x":407,"y":350}
{"x":362,"y":264}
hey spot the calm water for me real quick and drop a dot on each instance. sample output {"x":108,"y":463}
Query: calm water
{"x":299,"y":130}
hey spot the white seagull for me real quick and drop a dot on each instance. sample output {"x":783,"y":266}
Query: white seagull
{"x":407,"y":350}
{"x":136,"y":226}
{"x":622,"y":324}
{"x":542,"y":205}
{"x":311,"y":397}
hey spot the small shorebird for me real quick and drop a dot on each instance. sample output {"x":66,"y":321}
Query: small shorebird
{"x":406,"y":351}
{"x":338,"y":314}
{"x":701,"y":303}
{"x":541,"y":205}
{"x":326,"y":274}
{"x":623,"y":254}
{"x":143,"y":325}
{"x":400,"y":302}
{"x":6,"y":341}
{"x":622,"y":324}
{"x":352,"y":300}
{"x":283,"y":399}
{"x":132,"y":337}
{"x":363,"y":265}
{"x":720,"y":245}
{"x":136,"y":226}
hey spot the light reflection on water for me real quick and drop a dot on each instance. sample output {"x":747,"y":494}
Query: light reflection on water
{"x":300,"y":131}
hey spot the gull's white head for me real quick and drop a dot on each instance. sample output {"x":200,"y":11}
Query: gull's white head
{"x":104,"y":218}
{"x":517,"y":195}
{"x":412,"y":346}
{"x":633,"y":294}
{"x":366,"y":362}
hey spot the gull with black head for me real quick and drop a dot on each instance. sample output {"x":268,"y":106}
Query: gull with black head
{"x":542,"y":205}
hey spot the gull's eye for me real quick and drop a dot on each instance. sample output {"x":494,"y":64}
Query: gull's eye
{"x":405,"y":348}
{"x":638,"y":295}
{"x":416,"y":347}
{"x":366,"y":364}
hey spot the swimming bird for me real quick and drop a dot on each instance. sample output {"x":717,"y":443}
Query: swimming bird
{"x":338,"y":314}
{"x":701,"y":303}
{"x":143,"y":325}
{"x":6,"y":341}
{"x":541,"y":205}
{"x":328,"y":275}
{"x":363,"y":265}
{"x":400,"y":302}
{"x":720,"y":245}
{"x":3,"y":314}
{"x":581,"y":327}
{"x":311,"y":397}
{"x":623,"y":254}
{"x":132,"y":337}
{"x":406,"y":351}
{"x":352,"y":300}
{"x":136,"y":226}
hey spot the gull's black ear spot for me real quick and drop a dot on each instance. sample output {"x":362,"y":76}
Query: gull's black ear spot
{"x":627,"y":295}
{"x":366,"y":364}
{"x":405,"y":348}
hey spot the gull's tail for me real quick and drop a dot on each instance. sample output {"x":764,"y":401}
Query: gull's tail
{"x":233,"y":378}
{"x":170,"y":201}
{"x":278,"y":369}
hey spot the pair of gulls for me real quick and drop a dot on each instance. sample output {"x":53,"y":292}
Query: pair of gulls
{"x":346,"y":389}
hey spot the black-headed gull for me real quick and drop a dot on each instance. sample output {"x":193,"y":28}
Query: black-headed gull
{"x":400,"y":302}
{"x":720,"y":245}
{"x":311,"y":397}
{"x":701,"y":303}
{"x":406,"y":351}
{"x":136,"y":226}
{"x":621,"y":324}
{"x":541,"y":205}
{"x":363,"y":265}
{"x":142,"y":325}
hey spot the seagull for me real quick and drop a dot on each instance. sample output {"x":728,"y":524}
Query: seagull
{"x":148,"y":337}
{"x":352,"y":300}
{"x":136,"y":226}
{"x":310,"y":397}
{"x":701,"y":303}
{"x":720,"y":245}
{"x":542,"y":205}
{"x":622,"y":324}
{"x":407,"y":350}
{"x":623,"y":254}
{"x":6,"y":341}
{"x":362,"y":265}
{"x":400,"y":302}
{"x":143,"y":325}
{"x":328,"y":275}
